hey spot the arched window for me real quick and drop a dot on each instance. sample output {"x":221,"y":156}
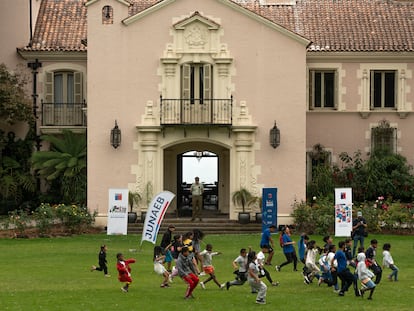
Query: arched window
{"x":107,"y":15}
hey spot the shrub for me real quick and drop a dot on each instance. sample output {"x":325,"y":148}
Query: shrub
{"x":44,"y":216}
{"x":74,"y":217}
{"x":317,"y":217}
{"x":18,"y":221}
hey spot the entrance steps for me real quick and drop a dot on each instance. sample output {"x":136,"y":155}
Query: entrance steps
{"x":212,"y":224}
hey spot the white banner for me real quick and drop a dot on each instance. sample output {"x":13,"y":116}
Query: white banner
{"x":155,"y":214}
{"x":343,"y":212}
{"x":117,"y":211}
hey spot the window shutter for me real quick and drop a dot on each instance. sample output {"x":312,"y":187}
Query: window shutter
{"x":311,"y":91}
{"x":336,"y":90}
{"x":186,"y":81}
{"x":207,"y":82}
{"x":78,"y":94}
{"x":48,"y":86}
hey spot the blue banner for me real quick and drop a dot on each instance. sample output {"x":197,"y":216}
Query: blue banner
{"x":269,"y":207}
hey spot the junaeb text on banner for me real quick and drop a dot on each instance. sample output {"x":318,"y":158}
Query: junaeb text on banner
{"x":155,"y":214}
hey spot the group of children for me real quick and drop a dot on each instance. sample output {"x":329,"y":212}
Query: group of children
{"x":326,"y":264}
{"x":334,"y":263}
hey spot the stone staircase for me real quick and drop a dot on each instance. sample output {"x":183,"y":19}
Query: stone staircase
{"x":211,"y":224}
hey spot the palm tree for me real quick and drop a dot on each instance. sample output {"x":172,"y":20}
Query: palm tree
{"x":134,"y":198}
{"x":65,"y":162}
{"x":243,"y":198}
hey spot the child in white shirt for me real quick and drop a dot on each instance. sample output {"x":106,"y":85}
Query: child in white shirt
{"x":389,"y":262}
{"x":365,"y":275}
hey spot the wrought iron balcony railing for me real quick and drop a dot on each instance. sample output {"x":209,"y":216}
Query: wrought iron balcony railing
{"x":63,"y":114}
{"x":196,"y":111}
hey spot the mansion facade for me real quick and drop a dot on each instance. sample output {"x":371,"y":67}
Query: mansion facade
{"x":217,"y":76}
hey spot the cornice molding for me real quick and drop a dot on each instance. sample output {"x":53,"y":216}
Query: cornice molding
{"x":398,"y":57}
{"x":54,"y":56}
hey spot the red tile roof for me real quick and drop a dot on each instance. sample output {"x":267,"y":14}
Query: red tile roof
{"x":331,"y":25}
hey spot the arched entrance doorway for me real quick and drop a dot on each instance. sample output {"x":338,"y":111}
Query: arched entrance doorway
{"x":217,"y":197}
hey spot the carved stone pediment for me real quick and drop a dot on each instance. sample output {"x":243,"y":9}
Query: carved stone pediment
{"x":196,"y":18}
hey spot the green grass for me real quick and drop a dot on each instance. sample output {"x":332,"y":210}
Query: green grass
{"x":53,"y":274}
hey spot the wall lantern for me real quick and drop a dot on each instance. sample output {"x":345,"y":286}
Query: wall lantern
{"x":274,"y":136}
{"x":115,"y":136}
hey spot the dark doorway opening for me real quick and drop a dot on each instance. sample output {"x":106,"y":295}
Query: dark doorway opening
{"x":203,"y":164}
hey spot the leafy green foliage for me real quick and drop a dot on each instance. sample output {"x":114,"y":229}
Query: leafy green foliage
{"x":242,"y":198}
{"x":315,"y":218}
{"x":74,"y":217}
{"x":64,"y":165}
{"x":382,"y":174}
{"x":16,"y":181}
{"x":14,"y":103}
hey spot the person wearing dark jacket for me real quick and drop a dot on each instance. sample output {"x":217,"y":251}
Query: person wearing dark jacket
{"x":102,"y":261}
{"x":166,"y":244}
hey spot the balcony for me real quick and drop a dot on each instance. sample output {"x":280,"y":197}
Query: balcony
{"x":196,"y":112}
{"x":63,"y":114}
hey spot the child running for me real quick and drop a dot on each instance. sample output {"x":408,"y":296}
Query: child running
{"x":187,"y":271}
{"x":206,"y":259}
{"x":389,"y":262}
{"x":254,"y":279}
{"x":365,"y":275}
{"x":159,"y":266}
{"x":124,"y":271}
{"x":311,"y":266}
{"x":102,"y":261}
{"x":239,"y":266}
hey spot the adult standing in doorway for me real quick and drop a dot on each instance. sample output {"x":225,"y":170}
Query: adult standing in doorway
{"x":197,"y":190}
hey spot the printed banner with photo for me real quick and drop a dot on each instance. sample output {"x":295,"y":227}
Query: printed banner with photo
{"x":343,"y":212}
{"x":269,"y":207}
{"x":155,"y":214}
{"x":118,"y":211}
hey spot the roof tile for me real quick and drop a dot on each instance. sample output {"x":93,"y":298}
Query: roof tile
{"x":331,"y":25}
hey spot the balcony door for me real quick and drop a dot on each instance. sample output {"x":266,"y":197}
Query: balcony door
{"x":196,"y":93}
{"x":63,"y":98}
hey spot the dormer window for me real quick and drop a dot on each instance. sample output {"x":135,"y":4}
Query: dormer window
{"x":107,"y":15}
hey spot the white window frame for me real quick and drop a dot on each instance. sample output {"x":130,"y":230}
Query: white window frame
{"x":401,"y":87}
{"x":312,"y":88}
{"x":383,"y":89}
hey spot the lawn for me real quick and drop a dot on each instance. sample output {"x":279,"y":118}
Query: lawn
{"x":54,"y":274}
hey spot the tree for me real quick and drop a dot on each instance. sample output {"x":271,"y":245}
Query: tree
{"x":242,"y":198}
{"x":14,"y":103}
{"x":17,"y":183}
{"x":64,"y":165}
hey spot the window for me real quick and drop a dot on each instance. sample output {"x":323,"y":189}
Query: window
{"x":107,"y":15}
{"x":63,"y":87}
{"x":196,"y":81}
{"x":322,"y":85}
{"x":318,"y":161}
{"x":196,"y":93}
{"x":383,"y":89}
{"x":63,"y":98}
{"x":384,"y":137}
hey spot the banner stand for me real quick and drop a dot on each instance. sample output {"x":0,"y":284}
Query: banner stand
{"x":343,"y":212}
{"x":117,"y":212}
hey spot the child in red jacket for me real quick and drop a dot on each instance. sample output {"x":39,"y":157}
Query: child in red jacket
{"x":124,"y":271}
